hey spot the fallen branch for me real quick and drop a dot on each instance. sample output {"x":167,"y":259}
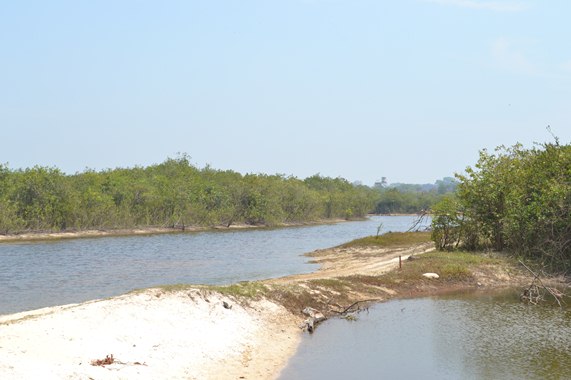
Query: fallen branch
{"x":315,"y":317}
{"x":348,"y":309}
{"x":533,"y":295}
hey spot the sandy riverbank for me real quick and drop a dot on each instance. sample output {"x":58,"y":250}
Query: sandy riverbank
{"x":72,"y":234}
{"x":185,"y":332}
{"x":151,"y":335}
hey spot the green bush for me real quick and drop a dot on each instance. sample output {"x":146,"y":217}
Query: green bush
{"x":515,"y":199}
{"x":171,"y":194}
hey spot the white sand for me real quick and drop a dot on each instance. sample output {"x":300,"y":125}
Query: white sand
{"x":151,"y":335}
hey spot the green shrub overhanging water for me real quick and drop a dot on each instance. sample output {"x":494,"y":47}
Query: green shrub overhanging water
{"x":171,"y":194}
{"x":515,"y":199}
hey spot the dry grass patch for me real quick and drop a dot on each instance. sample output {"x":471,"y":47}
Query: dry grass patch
{"x":246,"y":289}
{"x":295,"y":297}
{"x":167,"y":289}
{"x":390,"y":240}
{"x":331,"y":284}
{"x":363,"y":280}
{"x":450,"y":266}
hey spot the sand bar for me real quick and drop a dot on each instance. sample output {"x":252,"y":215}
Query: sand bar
{"x":151,"y":335}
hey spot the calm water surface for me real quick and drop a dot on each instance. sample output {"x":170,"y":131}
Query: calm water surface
{"x":34,"y":275}
{"x":464,"y":336}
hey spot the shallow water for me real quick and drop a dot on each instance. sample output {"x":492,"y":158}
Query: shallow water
{"x":463,"y":336}
{"x":39,"y":274}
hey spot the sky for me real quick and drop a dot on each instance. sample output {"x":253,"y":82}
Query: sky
{"x":410,"y":90}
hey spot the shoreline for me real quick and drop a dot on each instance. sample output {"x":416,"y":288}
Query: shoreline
{"x":38,"y":236}
{"x":247,"y":330}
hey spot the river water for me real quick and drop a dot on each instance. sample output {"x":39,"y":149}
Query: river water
{"x":462,"y":336}
{"x":40,"y":274}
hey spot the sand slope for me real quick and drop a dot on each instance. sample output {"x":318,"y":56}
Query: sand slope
{"x":151,"y":335}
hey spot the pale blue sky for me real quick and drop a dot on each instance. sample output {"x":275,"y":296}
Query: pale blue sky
{"x":409,"y":89}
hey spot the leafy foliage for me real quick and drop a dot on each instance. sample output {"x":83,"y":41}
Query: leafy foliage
{"x":412,"y":198}
{"x":172,"y":194}
{"x":446,"y":223}
{"x":514,"y":199}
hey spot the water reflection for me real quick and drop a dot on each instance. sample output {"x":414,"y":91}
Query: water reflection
{"x":471,"y":336}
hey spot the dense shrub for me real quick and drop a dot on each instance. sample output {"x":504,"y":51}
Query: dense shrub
{"x":173,"y":193}
{"x":515,"y":199}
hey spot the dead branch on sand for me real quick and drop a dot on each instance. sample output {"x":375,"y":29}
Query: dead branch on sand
{"x":316,"y":317}
{"x":354,"y":307}
{"x":533,"y":293}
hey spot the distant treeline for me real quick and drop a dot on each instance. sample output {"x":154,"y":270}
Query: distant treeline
{"x":441,"y":186}
{"x":171,"y":194}
{"x":403,"y":198}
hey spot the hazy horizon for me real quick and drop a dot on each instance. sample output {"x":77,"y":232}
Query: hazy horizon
{"x":409,"y":90}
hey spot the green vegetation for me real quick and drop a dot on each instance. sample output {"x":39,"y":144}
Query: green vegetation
{"x":330,"y":295}
{"x":390,"y":239}
{"x":247,"y":289}
{"x":171,"y":194}
{"x":446,"y":223}
{"x":456,"y":266}
{"x":517,"y":200}
{"x":176,"y":194}
{"x":411,"y":198}
{"x":335,"y":284}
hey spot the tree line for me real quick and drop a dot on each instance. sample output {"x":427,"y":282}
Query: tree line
{"x":170,"y":194}
{"x":515,"y":199}
{"x":403,"y":198}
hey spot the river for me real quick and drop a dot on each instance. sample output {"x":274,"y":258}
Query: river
{"x":460,"y":336}
{"x":468,"y":335}
{"x":40,"y":274}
